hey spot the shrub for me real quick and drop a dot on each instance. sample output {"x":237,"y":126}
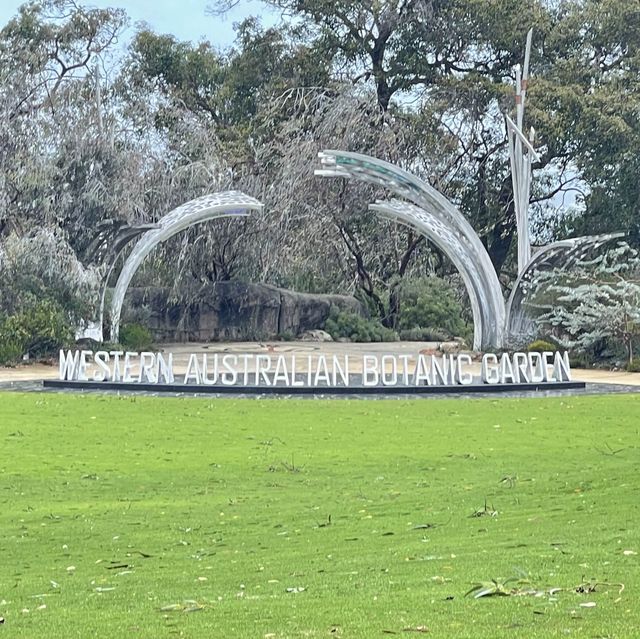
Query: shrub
{"x":593,"y":301}
{"x":10,"y":350}
{"x":540,"y":345}
{"x":430,"y":301}
{"x":634,"y":366}
{"x":424,"y":335}
{"x":42,"y":265}
{"x":39,"y":330}
{"x":580,"y":359}
{"x":136,"y":337}
{"x":357,"y":328}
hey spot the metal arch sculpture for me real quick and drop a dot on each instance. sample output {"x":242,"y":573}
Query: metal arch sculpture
{"x":412,"y":216}
{"x":202,"y":209}
{"x":441,"y":222}
{"x":564,"y":254}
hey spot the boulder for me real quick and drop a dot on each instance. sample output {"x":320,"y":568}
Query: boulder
{"x":316,"y":335}
{"x":450,"y":348}
{"x":235,"y":311}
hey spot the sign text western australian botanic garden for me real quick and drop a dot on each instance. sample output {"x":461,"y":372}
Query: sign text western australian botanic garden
{"x":314,"y":371}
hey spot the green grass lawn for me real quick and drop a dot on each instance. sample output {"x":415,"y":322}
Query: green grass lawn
{"x":145,"y":517}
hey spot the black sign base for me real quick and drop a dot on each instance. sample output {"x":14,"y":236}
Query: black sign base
{"x":306,"y":390}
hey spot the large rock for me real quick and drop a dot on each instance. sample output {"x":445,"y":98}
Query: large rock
{"x":316,"y":335}
{"x":236,"y":311}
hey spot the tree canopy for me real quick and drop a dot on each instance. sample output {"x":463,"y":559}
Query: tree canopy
{"x":97,"y":129}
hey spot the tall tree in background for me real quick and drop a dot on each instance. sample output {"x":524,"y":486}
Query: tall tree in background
{"x":421,"y":83}
{"x":47,"y":53}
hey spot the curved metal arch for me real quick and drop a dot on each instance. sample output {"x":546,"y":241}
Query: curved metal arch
{"x":440,"y":221}
{"x":564,"y":254}
{"x":422,"y":221}
{"x":202,"y":209}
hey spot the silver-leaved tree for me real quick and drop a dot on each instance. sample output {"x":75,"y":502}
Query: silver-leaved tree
{"x":593,"y":300}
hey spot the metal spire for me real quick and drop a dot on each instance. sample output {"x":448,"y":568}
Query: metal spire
{"x":521,"y":154}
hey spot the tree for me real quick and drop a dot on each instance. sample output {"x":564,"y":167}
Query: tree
{"x":47,"y":53}
{"x":451,"y":63}
{"x":584,"y":100}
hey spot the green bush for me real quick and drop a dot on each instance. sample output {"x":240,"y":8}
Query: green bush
{"x":136,"y":337}
{"x":10,"y":351}
{"x":430,"y":301}
{"x":424,"y":335}
{"x":580,"y":359}
{"x":39,"y":330}
{"x":540,"y":346}
{"x":357,"y":328}
{"x":634,"y":366}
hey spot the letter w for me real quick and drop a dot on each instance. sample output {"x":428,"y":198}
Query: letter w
{"x":69,"y":364}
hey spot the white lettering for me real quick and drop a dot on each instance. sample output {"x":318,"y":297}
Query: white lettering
{"x":370,"y":370}
{"x":464,"y":378}
{"x":342,"y":371}
{"x":321,"y":372}
{"x":193,"y":370}
{"x":562,"y":367}
{"x":489,"y":371}
{"x":117,"y":376}
{"x":82,"y":366}
{"x":147,"y":364}
{"x":245,"y":369}
{"x":164,"y":369}
{"x":281,"y":375}
{"x":521,"y":366}
{"x":69,"y":365}
{"x":537,"y":367}
{"x":263,"y":366}
{"x":101,"y":358}
{"x":295,"y":382}
{"x":230,"y":365}
{"x":390,"y":379}
{"x":405,"y":368}
{"x":440,"y":370}
{"x":547,"y":358}
{"x":128,"y":367}
{"x":205,"y":370}
{"x":422,"y":374}
{"x":506,"y":369}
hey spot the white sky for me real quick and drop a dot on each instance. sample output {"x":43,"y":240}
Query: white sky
{"x":185,"y":19}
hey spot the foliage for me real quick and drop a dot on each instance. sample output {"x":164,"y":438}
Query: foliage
{"x":93,"y":139}
{"x":43,"y":266}
{"x":136,"y":337}
{"x":348,"y":324}
{"x":430,"y":301}
{"x":11,"y":344}
{"x":593,"y":300}
{"x":426,"y":334}
{"x":38,"y":330}
{"x":540,"y":346}
{"x":153,"y":479}
{"x":582,"y":359}
{"x":634,"y":366}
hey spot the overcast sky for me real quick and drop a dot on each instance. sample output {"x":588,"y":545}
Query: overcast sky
{"x":185,"y":19}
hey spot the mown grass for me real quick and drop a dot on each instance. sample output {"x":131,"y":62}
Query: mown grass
{"x":144,"y":517}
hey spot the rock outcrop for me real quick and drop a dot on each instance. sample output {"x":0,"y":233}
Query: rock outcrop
{"x":235,"y":311}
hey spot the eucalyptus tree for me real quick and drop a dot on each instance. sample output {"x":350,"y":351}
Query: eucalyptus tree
{"x":586,"y":102}
{"x":451,"y":63}
{"x":47,"y":52}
